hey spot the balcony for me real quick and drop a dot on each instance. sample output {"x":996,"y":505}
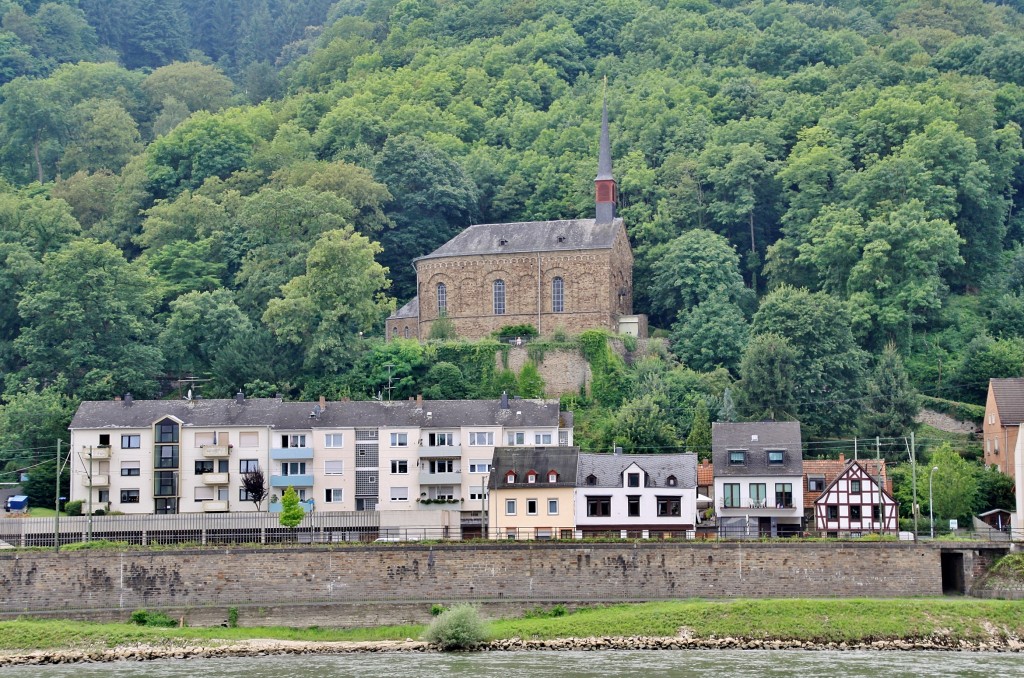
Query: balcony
{"x":425,"y":504}
{"x":290,"y":453}
{"x":215,"y":478}
{"x":754,"y":504}
{"x":216,"y":451}
{"x":100,"y":452}
{"x":295,"y":481}
{"x":98,"y":480}
{"x":441,"y":452}
{"x":215,"y":506}
{"x":440,"y":478}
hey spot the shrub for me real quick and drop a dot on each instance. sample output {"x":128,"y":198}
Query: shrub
{"x":147,"y":618}
{"x":73,"y":508}
{"x":459,"y":628}
{"x":437,"y":609}
{"x":233,"y":617}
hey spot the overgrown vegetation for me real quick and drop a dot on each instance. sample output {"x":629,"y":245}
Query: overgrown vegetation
{"x":150,"y":618}
{"x":459,"y":628}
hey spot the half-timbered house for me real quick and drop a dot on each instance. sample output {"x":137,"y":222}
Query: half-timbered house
{"x":855,"y":504}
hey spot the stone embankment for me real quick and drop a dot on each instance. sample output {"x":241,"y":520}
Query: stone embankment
{"x":259,"y":648}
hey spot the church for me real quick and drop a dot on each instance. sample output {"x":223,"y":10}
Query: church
{"x":567,"y":275}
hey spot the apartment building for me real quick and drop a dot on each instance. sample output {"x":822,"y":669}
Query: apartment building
{"x":159,"y":456}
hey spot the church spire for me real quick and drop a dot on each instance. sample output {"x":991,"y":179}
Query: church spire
{"x":604,"y":185}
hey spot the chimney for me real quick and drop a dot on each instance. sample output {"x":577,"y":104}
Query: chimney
{"x":617,"y":451}
{"x":323,"y":404}
{"x":117,"y":399}
{"x":128,"y":399}
{"x":842,"y":458}
{"x":240,"y":397}
{"x":504,"y":400}
{"x":419,"y":400}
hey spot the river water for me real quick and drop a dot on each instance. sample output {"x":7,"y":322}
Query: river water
{"x":669,"y":663}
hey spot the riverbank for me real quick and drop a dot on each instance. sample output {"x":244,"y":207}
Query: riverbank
{"x":868,"y":624}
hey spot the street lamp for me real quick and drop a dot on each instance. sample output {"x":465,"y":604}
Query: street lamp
{"x":931,"y":509}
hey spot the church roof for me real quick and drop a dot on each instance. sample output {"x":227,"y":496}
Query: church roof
{"x":529,"y":236}
{"x":410,"y":310}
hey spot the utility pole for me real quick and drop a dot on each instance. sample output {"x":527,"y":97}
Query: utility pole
{"x":56,"y":503}
{"x":913,"y":477}
{"x":90,"y":494}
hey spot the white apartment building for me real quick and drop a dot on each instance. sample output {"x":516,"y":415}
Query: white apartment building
{"x":758,"y":478}
{"x":187,"y":456}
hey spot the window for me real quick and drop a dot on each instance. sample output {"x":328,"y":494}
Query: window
{"x":531,"y":477}
{"x":129,"y":496}
{"x":833,"y":512}
{"x":600,"y":507}
{"x":776,"y":457}
{"x":542,"y":439}
{"x":854,"y":487}
{"x":399,"y":466}
{"x":103,"y":496}
{"x":816,"y":483}
{"x":563,"y":438}
{"x":166,"y":506}
{"x":783,"y":495}
{"x":245,"y":495}
{"x":632,"y":480}
{"x":441,"y":466}
{"x":477,"y":493}
{"x":557,"y":295}
{"x":731,"y":495}
{"x":166,"y":484}
{"x":633,"y":506}
{"x":876,"y":512}
{"x":222,"y":466}
{"x":553,"y":476}
{"x":204,"y":466}
{"x":167,"y":432}
{"x":248,"y":439}
{"x":334,"y":440}
{"x":399,"y":440}
{"x":405,"y":332}
{"x":516,"y":438}
{"x":510,"y":477}
{"x":440,"y":439}
{"x":334,"y":467}
{"x":510,"y":507}
{"x":130,"y":468}
{"x":296,"y":440}
{"x":293,"y":468}
{"x":591,"y":479}
{"x":854,"y":513}
{"x":669,"y":507}
{"x":206,"y":438}
{"x":442,"y":299}
{"x":479,"y":438}
{"x":671,"y":481}
{"x":333,"y":495}
{"x":758,"y":495}
{"x":552,"y":507}
{"x":394,"y":335}
{"x":166,"y":456}
{"x":248,"y":465}
{"x":399,"y":494}
{"x":479,"y":467}
{"x":531,"y":507}
{"x":499,"y":297}
{"x":104,"y":440}
{"x":131,"y":442}
{"x":737,"y":457}
{"x":203,"y":494}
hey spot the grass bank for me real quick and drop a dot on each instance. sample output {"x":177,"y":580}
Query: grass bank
{"x":805,"y":620}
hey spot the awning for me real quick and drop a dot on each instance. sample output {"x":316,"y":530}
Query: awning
{"x":702,"y":499}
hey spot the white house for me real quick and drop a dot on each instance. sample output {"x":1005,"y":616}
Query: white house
{"x":758,"y":478}
{"x":641,"y":495}
{"x":854,"y":504}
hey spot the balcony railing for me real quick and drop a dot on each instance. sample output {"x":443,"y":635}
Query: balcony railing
{"x":215,"y":506}
{"x":215,"y":478}
{"x":216,"y":451}
{"x":441,"y":452}
{"x":295,"y":481}
{"x":98,"y":480}
{"x":100,"y":452}
{"x":753,"y":504}
{"x":427,"y":478}
{"x":290,"y":453}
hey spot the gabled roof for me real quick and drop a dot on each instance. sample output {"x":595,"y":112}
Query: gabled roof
{"x":608,"y":468}
{"x":852,"y":468}
{"x":273,"y":412}
{"x":410,"y":310}
{"x":830,"y":469}
{"x":771,"y":435}
{"x":1009,"y":396}
{"x":705,"y":473}
{"x":524,"y":459}
{"x":529,"y":236}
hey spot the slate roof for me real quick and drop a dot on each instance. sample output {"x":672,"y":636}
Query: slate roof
{"x":275,"y":413}
{"x":529,"y":236}
{"x":563,"y":460}
{"x":410,"y":310}
{"x":771,"y":435}
{"x":1009,"y":395}
{"x":831,"y":469}
{"x":608,"y":469}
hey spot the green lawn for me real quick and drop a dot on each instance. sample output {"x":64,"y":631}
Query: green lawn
{"x":809,"y":620}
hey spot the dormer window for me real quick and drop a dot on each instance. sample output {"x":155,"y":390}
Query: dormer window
{"x":737,"y":457}
{"x":632,"y":480}
{"x":591,"y":479}
{"x":561,"y":238}
{"x":531,"y":477}
{"x":502,"y":242}
{"x":510,"y":477}
{"x":671,"y":481}
{"x":776,"y":457}
{"x":552,"y":476}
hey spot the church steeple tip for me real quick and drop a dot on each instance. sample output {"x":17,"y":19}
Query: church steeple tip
{"x":604,"y":184}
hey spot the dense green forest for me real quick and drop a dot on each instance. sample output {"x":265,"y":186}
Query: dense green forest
{"x":824,"y":200}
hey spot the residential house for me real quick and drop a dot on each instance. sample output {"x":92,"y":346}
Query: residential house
{"x":185,"y":456}
{"x":637,"y":495}
{"x":531,"y":493}
{"x":1004,"y":412}
{"x":820,"y":473}
{"x":758,"y":478}
{"x":856,"y":503}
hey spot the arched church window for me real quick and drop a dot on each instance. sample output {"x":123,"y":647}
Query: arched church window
{"x":499,"y":297}
{"x":558,"y":295}
{"x":442,"y":299}
{"x":394,"y":333}
{"x":406,"y":331}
